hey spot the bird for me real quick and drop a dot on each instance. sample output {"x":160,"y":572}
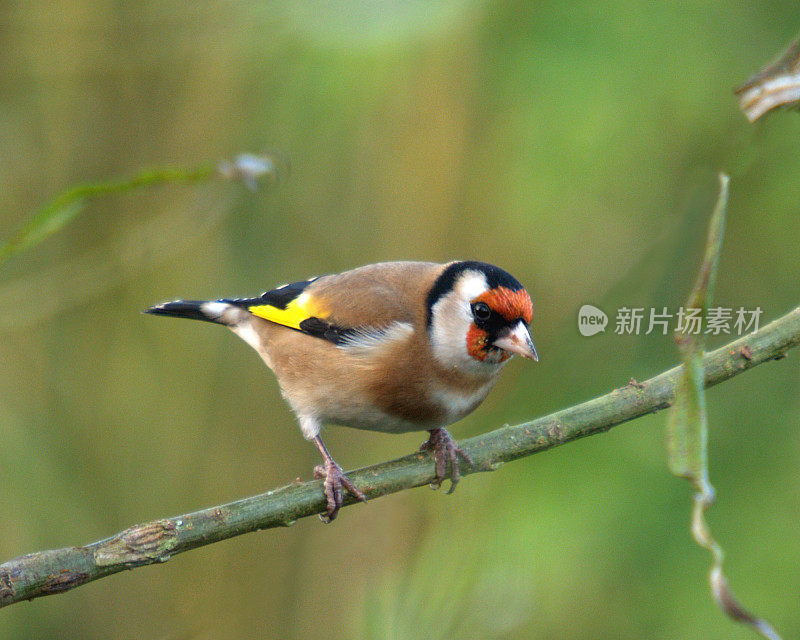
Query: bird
{"x":392,"y":347}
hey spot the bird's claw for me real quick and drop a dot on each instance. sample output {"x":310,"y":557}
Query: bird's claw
{"x":445,"y":449}
{"x":335,"y":482}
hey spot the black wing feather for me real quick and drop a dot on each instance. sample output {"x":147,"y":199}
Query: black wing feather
{"x":278,"y":298}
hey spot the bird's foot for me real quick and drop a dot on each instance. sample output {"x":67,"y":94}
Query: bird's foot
{"x":335,"y":483}
{"x":445,"y":448}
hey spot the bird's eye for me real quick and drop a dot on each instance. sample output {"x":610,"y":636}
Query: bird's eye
{"x":481,"y":311}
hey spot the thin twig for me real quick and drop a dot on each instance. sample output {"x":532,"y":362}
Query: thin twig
{"x":55,"y":571}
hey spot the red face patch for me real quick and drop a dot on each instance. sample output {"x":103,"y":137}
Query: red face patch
{"x":512,"y":305}
{"x":478,"y":345}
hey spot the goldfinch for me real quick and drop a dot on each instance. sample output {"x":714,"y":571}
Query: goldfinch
{"x":393,"y":346}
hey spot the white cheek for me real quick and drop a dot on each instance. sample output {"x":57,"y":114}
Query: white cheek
{"x":452,"y":319}
{"x":449,"y":330}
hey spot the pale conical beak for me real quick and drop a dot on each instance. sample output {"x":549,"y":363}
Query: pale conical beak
{"x":518,"y":340}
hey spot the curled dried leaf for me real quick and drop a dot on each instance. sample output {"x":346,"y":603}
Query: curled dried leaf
{"x":776,"y":85}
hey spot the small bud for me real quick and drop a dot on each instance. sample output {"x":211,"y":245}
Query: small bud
{"x":249,"y":169}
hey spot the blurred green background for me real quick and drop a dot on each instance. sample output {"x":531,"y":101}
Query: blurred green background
{"x":574,"y":144}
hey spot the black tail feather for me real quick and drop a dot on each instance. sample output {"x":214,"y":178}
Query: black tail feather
{"x":191,"y":309}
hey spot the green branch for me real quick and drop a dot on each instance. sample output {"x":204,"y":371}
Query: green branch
{"x":48,"y":572}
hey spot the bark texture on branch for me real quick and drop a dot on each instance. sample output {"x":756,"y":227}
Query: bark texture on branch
{"x":54,"y":571}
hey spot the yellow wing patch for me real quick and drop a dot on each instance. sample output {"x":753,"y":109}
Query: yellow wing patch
{"x":301,"y":308}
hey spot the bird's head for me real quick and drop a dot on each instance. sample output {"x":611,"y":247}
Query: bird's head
{"x":478,"y":317}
